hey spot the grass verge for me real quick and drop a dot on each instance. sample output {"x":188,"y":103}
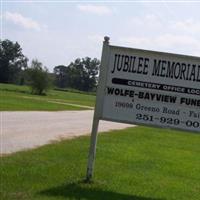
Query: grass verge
{"x":132,"y":164}
{"x":18,"y":98}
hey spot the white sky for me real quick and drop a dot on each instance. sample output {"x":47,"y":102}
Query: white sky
{"x":57,"y":32}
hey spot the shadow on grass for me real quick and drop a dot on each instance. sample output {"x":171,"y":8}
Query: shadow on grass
{"x":15,"y":90}
{"x":79,"y":191}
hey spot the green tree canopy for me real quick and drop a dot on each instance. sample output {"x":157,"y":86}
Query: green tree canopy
{"x":80,"y":74}
{"x":62,"y":76}
{"x":38,"y":78}
{"x":12,"y":61}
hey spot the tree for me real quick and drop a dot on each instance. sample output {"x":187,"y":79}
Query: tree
{"x":80,"y":74}
{"x":85,"y":73}
{"x":12,"y":61}
{"x":62,"y":76}
{"x":38,"y":78}
{"x":91,"y":67}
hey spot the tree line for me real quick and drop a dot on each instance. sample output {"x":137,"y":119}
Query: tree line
{"x":81,"y":74}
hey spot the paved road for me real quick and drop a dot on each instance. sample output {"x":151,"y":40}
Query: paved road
{"x":24,"y":130}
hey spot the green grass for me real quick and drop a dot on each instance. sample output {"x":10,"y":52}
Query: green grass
{"x":132,"y":164}
{"x":15,"y":98}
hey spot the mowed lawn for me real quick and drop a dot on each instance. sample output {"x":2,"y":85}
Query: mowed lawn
{"x":132,"y":164}
{"x":19,"y":98}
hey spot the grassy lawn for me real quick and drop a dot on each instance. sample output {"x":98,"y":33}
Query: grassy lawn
{"x":15,"y":98}
{"x":132,"y":164}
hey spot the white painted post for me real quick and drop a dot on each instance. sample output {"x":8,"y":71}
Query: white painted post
{"x":98,"y":107}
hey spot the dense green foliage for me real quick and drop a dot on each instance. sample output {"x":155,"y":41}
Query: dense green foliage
{"x":12,"y":62}
{"x":15,"y":98}
{"x":38,"y":78}
{"x":80,"y":74}
{"x":132,"y":164}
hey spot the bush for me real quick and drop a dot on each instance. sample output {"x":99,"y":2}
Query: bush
{"x":38,"y":78}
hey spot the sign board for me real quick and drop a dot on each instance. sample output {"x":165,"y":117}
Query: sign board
{"x":146,"y":87}
{"x":152,"y":88}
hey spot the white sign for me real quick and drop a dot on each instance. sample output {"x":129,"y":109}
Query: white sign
{"x":146,"y":87}
{"x":151,"y":88}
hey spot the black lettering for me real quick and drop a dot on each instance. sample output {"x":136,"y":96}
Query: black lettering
{"x":177,"y":70}
{"x":146,"y":65}
{"x":126,"y":64}
{"x":192,"y":74}
{"x":183,"y":69}
{"x":116,"y":62}
{"x":133,"y":65}
{"x":162,"y":73}
{"x":170,"y":69}
{"x":119,"y":67}
{"x":139,"y":70}
{"x":110,"y":90}
{"x":198,"y":74}
{"x":156,"y":68}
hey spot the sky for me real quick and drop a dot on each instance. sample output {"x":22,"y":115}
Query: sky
{"x":58,"y":32}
